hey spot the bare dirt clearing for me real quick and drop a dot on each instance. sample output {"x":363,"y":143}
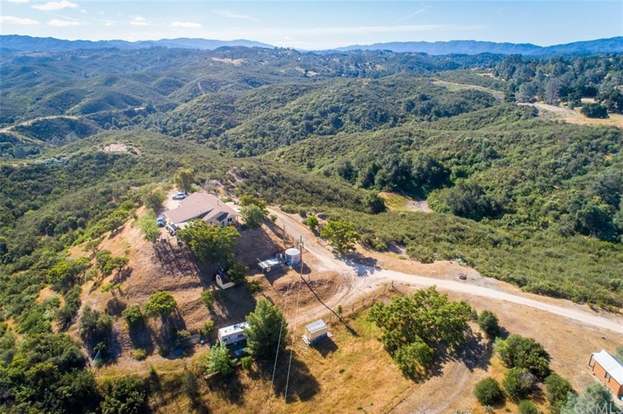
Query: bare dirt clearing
{"x":398,"y":202}
{"x":455,"y":86}
{"x":574,"y":116}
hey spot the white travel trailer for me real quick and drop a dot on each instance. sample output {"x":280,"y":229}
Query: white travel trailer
{"x":233,"y":334}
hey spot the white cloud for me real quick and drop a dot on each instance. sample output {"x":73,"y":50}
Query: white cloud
{"x":186,"y":25}
{"x":139,"y":21}
{"x":22,"y":21}
{"x":55,"y":5}
{"x":63,"y":23}
{"x":233,"y":15}
{"x":19,"y":1}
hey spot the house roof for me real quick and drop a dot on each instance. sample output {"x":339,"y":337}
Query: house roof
{"x":316,"y":326}
{"x":610,"y":364}
{"x":199,"y":205}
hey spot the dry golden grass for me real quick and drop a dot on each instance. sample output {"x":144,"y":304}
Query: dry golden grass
{"x":350,"y":373}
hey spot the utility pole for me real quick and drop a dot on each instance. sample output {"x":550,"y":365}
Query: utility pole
{"x":301,"y":247}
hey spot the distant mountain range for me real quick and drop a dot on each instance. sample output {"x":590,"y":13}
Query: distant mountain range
{"x":467,"y":47}
{"x":474,"y":47}
{"x":31,"y":44}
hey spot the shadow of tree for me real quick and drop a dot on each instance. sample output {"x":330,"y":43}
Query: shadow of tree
{"x":141,"y":337}
{"x":190,"y":387}
{"x":115,"y":306}
{"x":325,"y":346}
{"x":301,"y":384}
{"x":474,"y":353}
{"x":229,"y":388}
{"x":170,"y":337}
{"x":232,"y":305}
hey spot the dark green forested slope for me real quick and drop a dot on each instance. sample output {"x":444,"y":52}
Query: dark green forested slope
{"x":88,"y":81}
{"x":540,"y":195}
{"x":350,"y":106}
{"x":536,"y":203}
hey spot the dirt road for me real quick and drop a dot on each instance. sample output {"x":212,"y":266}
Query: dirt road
{"x":360,"y":279}
{"x":29,"y":122}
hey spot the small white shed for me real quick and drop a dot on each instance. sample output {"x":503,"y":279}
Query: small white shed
{"x":314,"y":331}
{"x":232,"y":334}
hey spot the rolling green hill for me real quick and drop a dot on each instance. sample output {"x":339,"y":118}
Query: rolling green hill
{"x":532,"y":202}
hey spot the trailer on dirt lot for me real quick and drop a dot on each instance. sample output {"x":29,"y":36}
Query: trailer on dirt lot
{"x":271,"y":264}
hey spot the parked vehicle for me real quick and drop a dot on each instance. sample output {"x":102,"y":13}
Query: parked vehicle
{"x":161,"y":221}
{"x":171,"y":228}
{"x":180,"y":195}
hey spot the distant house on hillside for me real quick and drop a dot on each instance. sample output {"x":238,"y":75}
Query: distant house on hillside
{"x":609,"y":371}
{"x":203,"y":206}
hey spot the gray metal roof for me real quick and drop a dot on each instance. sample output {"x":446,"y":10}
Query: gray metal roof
{"x":316,"y":326}
{"x":199,"y":205}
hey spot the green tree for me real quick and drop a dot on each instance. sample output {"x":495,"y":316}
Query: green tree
{"x":252,"y":200}
{"x":311,"y":221}
{"x":219,"y":361}
{"x":149,"y":227}
{"x":107,"y":263}
{"x":488,"y":322}
{"x":184,"y":179}
{"x":267,"y":330}
{"x":160,"y":304}
{"x":374,"y":203}
{"x":125,"y":395}
{"x":414,"y":359}
{"x":527,"y":407}
{"x":518,"y":383}
{"x":133,"y":316}
{"x":253,"y":215}
{"x":594,"y":110}
{"x":426,"y":315}
{"x":210,"y":243}
{"x":519,"y":352}
{"x":154,"y":199}
{"x":488,"y":392}
{"x":342,"y":235}
{"x":70,"y":308}
{"x":557,"y":390}
{"x":47,"y":374}
{"x":470,"y":201}
{"x":237,"y":272}
{"x":65,"y":273}
{"x":595,"y":399}
{"x":207,"y":296}
{"x":96,"y":332}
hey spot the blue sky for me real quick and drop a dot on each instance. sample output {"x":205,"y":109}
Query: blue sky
{"x":317,"y":24}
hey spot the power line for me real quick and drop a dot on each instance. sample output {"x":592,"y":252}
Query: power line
{"x":296,"y":313}
{"x":285,"y":307}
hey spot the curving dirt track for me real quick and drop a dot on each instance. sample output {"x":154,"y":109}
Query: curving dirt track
{"x":361,"y":279}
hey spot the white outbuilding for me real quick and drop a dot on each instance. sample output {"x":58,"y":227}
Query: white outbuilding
{"x":314,"y":331}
